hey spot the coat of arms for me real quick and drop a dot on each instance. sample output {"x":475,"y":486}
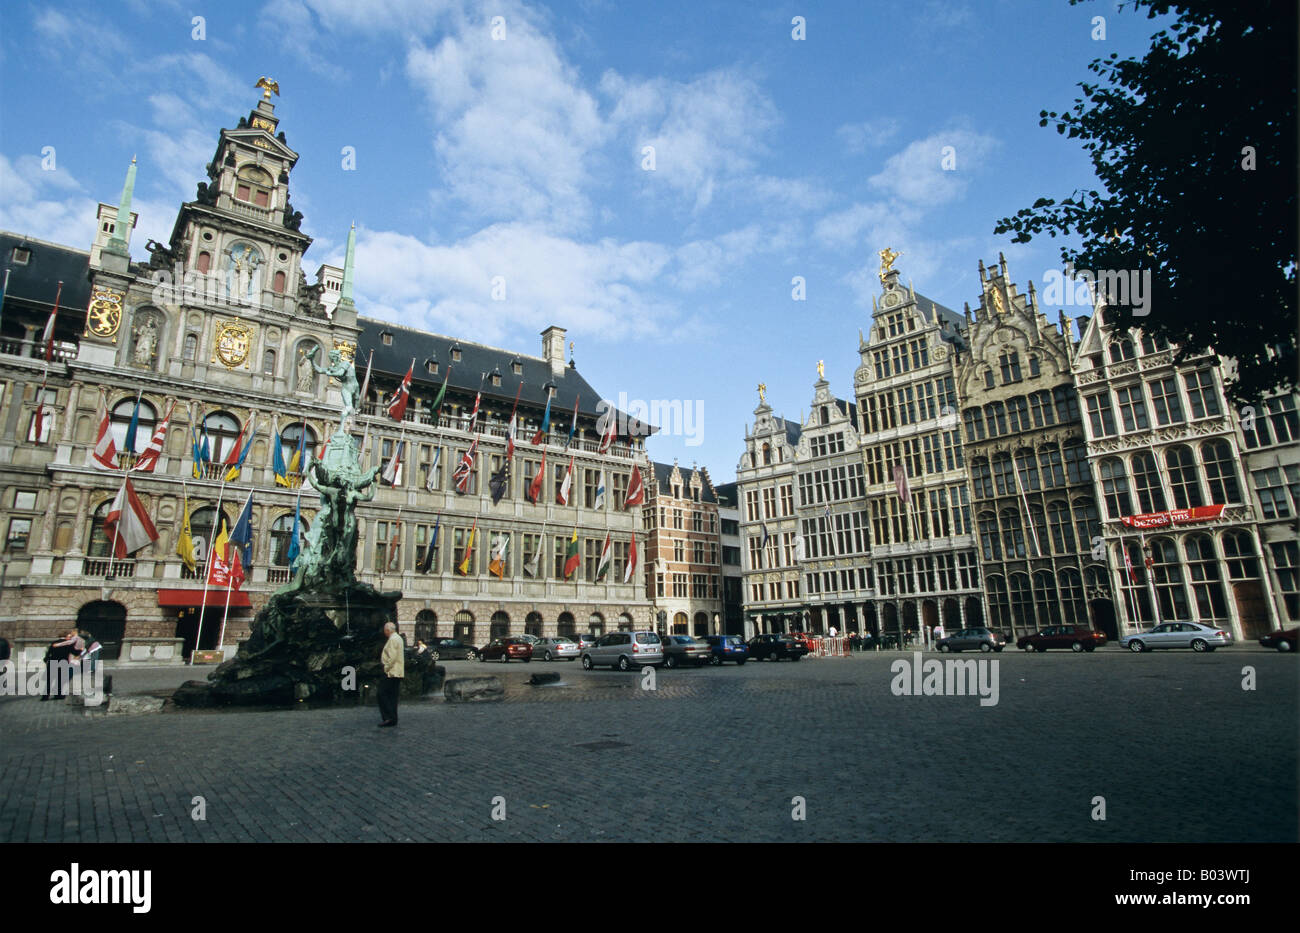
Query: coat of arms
{"x":232,"y":344}
{"x":104,"y":316}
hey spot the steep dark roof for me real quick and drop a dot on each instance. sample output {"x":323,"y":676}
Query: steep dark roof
{"x":664,"y":480}
{"x":37,"y":282}
{"x":793,"y":430}
{"x":467,"y":374}
{"x":728,"y":494}
{"x":931,"y":308}
{"x":847,"y":408}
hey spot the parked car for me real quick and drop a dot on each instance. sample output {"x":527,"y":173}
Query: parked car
{"x":805,"y":639}
{"x":556,"y":649}
{"x":723,"y":648}
{"x":1074,"y":637}
{"x":531,"y":639}
{"x":449,"y":649}
{"x":1281,"y":639}
{"x":1192,"y":635}
{"x":511,"y":648}
{"x":624,"y":650}
{"x":776,"y":647}
{"x":972,"y":639}
{"x":685,"y":649}
{"x":586,"y":640}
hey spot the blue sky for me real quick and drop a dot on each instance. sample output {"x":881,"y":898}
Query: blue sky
{"x":523,"y":157}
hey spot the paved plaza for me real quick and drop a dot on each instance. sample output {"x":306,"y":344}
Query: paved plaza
{"x":1175,"y":745}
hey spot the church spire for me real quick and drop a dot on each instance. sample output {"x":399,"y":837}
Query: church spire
{"x":122,"y":226}
{"x":345,"y":291}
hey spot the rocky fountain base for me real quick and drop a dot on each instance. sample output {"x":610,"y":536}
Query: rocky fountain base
{"x":317,"y":648}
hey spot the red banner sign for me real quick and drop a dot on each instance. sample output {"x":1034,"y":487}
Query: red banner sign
{"x":1201,"y":513}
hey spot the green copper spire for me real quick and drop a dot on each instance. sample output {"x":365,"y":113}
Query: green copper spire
{"x":345,"y":293}
{"x":123,"y":225}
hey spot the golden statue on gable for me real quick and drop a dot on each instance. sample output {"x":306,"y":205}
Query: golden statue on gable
{"x":887,"y":257}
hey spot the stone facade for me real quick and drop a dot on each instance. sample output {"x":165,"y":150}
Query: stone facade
{"x":683,"y":560}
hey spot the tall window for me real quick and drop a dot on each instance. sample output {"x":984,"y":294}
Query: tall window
{"x":1002,"y":477}
{"x":1040,"y":405}
{"x":1220,"y":472}
{"x":981,"y":478}
{"x":120,"y":423}
{"x":1013,"y":536}
{"x":1009,"y":361}
{"x":1165,"y":400}
{"x":1202,"y":394}
{"x":1087,"y":524}
{"x":1067,"y":404}
{"x":1168,"y":574}
{"x":1132,"y":408}
{"x":1075,"y":611}
{"x":1058,"y":517}
{"x":1049,"y":462}
{"x":1181,"y":466}
{"x":1114,"y":487}
{"x":223,"y":430}
{"x":1207,"y":585}
{"x":1077,"y":469}
{"x":1100,"y":414}
{"x":1151,"y":497}
{"x":1121,"y":350}
{"x":1045,"y":602}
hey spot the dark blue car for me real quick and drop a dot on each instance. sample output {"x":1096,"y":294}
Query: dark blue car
{"x":725,"y":648}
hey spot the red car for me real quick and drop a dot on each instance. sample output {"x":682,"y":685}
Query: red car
{"x":507,"y":649}
{"x":1281,"y":639}
{"x":804,"y":639}
{"x":1074,"y":637}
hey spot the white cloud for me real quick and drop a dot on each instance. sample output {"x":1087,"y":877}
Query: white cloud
{"x":869,"y":134}
{"x":917,"y":175}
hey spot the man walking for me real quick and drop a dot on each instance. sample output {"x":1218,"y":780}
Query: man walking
{"x":394,"y":660}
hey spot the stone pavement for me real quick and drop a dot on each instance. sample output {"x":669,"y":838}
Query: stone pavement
{"x":1177,"y":748}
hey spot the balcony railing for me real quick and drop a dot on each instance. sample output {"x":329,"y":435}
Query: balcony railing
{"x":277,"y":575}
{"x":99,"y":567}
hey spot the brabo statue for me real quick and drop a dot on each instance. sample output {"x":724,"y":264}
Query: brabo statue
{"x":346,"y":374}
{"x":329,"y":561}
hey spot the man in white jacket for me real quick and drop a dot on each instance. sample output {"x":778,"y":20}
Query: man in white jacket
{"x":394,"y":660}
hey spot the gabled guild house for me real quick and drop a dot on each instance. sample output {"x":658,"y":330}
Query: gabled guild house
{"x":175,"y":398}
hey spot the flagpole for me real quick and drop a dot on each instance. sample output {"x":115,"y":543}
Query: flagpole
{"x":207,"y":566}
{"x":1024,"y":501}
{"x":221,"y":635}
{"x":117,"y":530}
{"x":1131,"y":588}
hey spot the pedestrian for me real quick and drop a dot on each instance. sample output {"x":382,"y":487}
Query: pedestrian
{"x":394,"y":660}
{"x":91,"y":653}
{"x":938,"y":632}
{"x":57,"y":656}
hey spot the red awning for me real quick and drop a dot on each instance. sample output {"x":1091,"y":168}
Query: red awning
{"x":186,"y":599}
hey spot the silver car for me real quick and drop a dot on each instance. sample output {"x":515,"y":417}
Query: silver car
{"x":624,"y":650}
{"x":555,"y":649}
{"x":1192,"y":635}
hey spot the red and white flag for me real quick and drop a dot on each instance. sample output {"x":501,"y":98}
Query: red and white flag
{"x":236,"y":579}
{"x":127,"y":524}
{"x":631,"y":561}
{"x":397,"y":407}
{"x":105,"y":452}
{"x":465,"y":468}
{"x":393,"y":472}
{"x":611,"y":431}
{"x":535,"y":487}
{"x":510,"y":438}
{"x":562,"y":495}
{"x":149,"y":459}
{"x":47,"y":338}
{"x":635,"y":489}
{"x":1128,"y":565}
{"x":473,"y":415}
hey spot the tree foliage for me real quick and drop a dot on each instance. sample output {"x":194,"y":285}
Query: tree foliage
{"x":1195,"y":148}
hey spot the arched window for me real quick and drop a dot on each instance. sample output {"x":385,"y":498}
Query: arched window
{"x":1077,"y":469}
{"x":98,"y":543}
{"x":625,"y":622}
{"x":268,"y":363}
{"x":767,"y":454}
{"x":1033,"y":365}
{"x":1114,"y":488}
{"x":1151,"y":497}
{"x":1067,"y":404}
{"x":223,"y":430}
{"x":1239,"y":551}
{"x":1153,"y":344}
{"x":974,"y":420}
{"x":1181,"y":466}
{"x":1045,"y":602}
{"x":253,"y":185}
{"x":1207,"y":584}
{"x":120,"y":423}
{"x":1013,"y":536}
{"x":989,"y":540}
{"x":999,"y":610}
{"x":1121,"y":350}
{"x":1009,"y":362}
{"x":204,"y":528}
{"x":1027,"y":470}
{"x":1220,"y":472}
{"x":1058,"y":517}
{"x":1002,"y":478}
{"x":282,"y":535}
{"x":1018,"y":414}
{"x":995,"y":419}
{"x":533,"y":624}
{"x":1087,"y":524}
{"x":499,"y":627}
{"x":277,"y":283}
{"x":564,"y":625}
{"x":1040,"y":406}
{"x":191,"y":347}
{"x":464,"y":626}
{"x":1167,"y":572}
{"x":297,"y":446}
{"x":205,"y":261}
{"x":1072,"y":604}
{"x":426,"y":626}
{"x":1049,"y":462}
{"x":981,"y":478}
{"x":1038,"y":535}
{"x":596,"y":623}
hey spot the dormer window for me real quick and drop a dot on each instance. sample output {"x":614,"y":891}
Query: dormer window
{"x":386,"y":338}
{"x":21,"y":256}
{"x":253,"y":186}
{"x":455,"y":353}
{"x":431,"y":367}
{"x":517,"y":368}
{"x":496,"y":378}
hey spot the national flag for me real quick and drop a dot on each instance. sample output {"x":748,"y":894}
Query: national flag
{"x":233,"y":456}
{"x":127,"y":524}
{"x":1128,"y":565}
{"x":397,"y":407}
{"x":149,"y":459}
{"x":295,"y":547}
{"x":393,"y":472}
{"x":500,"y":481}
{"x":573,"y":425}
{"x":205,"y":452}
{"x":465,"y":468}
{"x":185,"y":542}
{"x":433,"y":470}
{"x":105,"y":452}
{"x":195,"y":451}
{"x":297,"y":463}
{"x":497,"y":565}
{"x":600,"y":490}
{"x":47,"y":338}
{"x":571,"y":559}
{"x":236,"y":579}
{"x":635,"y":489}
{"x":610,"y":432}
{"x":510,"y":439}
{"x":395,"y":546}
{"x":427,"y":564}
{"x":900,"y":484}
{"x":365,"y":383}
{"x":277,"y":462}
{"x":133,"y":428}
{"x":535,"y":487}
{"x":463,"y":567}
{"x":534,"y":567}
{"x":631,"y":560}
{"x":562,"y":495}
{"x":606,"y":556}
{"x":219,"y":567}
{"x":241,"y":535}
{"x":546,"y":422}
{"x":473,"y":415}
{"x":442,"y":393}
